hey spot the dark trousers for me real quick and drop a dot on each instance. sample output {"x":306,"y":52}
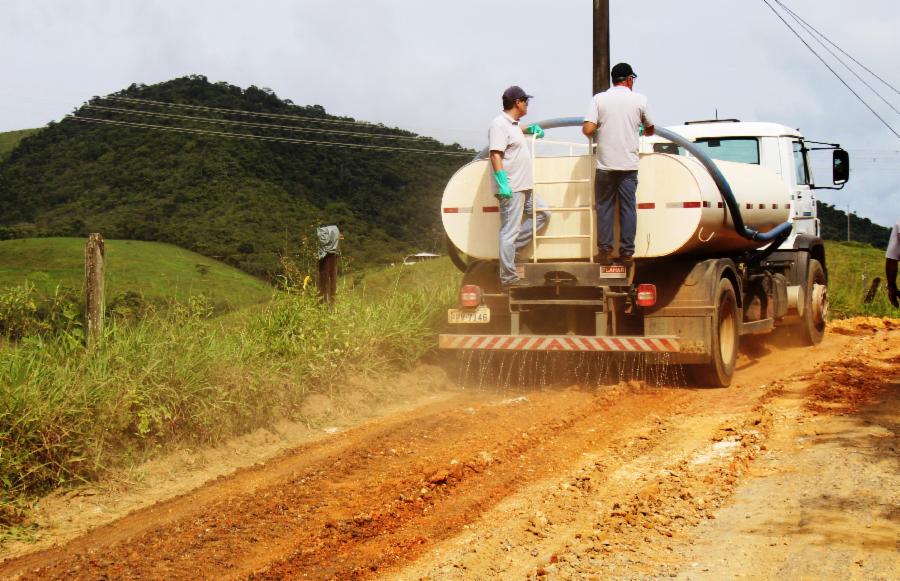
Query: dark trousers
{"x":328,"y":277}
{"x":609,"y":187}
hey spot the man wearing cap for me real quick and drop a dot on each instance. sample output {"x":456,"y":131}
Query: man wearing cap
{"x":511,"y":164}
{"x":618,"y":114}
{"x":891,"y":257}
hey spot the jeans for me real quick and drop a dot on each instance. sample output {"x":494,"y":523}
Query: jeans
{"x":609,"y":186}
{"x":516,"y":233}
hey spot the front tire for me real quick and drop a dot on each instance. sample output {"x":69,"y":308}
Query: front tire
{"x":725,"y":338}
{"x":815,"y":309}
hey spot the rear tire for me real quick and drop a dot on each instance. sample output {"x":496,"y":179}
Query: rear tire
{"x":815,"y":308}
{"x":725,"y":339}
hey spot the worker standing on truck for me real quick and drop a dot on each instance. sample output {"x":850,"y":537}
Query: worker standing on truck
{"x":619,"y":114}
{"x":890,"y":265}
{"x":511,"y":163}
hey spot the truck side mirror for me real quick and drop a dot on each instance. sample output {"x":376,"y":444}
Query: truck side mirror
{"x":840,"y":167}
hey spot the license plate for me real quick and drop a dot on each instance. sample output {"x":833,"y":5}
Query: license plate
{"x":479,"y":315}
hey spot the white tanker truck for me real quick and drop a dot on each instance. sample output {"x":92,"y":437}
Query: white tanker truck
{"x":727,"y":245}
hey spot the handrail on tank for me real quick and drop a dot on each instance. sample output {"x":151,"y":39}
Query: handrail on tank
{"x":778,"y":232}
{"x":545,"y":124}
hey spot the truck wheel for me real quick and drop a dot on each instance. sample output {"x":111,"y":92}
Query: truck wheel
{"x":816,"y":304}
{"x":724,"y":347}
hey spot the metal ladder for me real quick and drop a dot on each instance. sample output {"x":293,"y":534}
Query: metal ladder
{"x":590,"y":208}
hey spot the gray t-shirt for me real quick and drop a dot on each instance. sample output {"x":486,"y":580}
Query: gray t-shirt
{"x":618,"y":113}
{"x":505,"y":135}
{"x":893,"y":249}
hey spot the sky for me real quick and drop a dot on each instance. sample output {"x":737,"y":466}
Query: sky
{"x":438,"y":68}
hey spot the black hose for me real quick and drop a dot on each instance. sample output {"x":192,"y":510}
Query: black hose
{"x":725,"y":191}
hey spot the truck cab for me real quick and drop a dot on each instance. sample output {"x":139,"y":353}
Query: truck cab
{"x":772,"y":145}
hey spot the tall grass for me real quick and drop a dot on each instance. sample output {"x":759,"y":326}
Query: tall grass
{"x":852,"y":266}
{"x":69,"y":413}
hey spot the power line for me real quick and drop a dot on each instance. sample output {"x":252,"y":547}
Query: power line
{"x":257,"y":125}
{"x":267,"y":138}
{"x":864,"y":67}
{"x":824,"y":62}
{"x":811,"y":31}
{"x":239,"y":112}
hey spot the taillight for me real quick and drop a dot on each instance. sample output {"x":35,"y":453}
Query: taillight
{"x":646,"y":295}
{"x":470,"y":295}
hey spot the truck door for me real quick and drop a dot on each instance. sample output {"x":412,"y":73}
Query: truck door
{"x":803,"y":202}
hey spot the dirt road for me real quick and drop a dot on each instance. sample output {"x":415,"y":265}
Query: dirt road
{"x":790,"y":473}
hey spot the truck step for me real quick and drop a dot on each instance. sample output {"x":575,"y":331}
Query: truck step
{"x":757,"y":327}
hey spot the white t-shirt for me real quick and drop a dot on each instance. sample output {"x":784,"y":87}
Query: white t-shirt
{"x":505,"y":135}
{"x":618,"y":114}
{"x":893,"y":249}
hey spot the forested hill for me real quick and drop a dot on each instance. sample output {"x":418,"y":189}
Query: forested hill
{"x":834,"y":227}
{"x":243,"y":200}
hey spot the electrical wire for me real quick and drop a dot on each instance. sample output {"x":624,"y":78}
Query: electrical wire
{"x":812,"y":32}
{"x":239,"y":112}
{"x":267,"y":138}
{"x":257,"y":125}
{"x":864,"y":67}
{"x":824,"y":62}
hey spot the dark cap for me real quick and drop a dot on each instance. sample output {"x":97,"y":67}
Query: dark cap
{"x":622,"y":71}
{"x":514,"y":93}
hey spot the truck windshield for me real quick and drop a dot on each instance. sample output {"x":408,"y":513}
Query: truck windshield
{"x":741,"y":149}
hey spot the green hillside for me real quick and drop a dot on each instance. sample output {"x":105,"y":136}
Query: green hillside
{"x":157,"y":271}
{"x":243,"y":200}
{"x":10,"y":139}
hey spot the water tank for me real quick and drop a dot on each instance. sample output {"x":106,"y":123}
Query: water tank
{"x":679,"y":211}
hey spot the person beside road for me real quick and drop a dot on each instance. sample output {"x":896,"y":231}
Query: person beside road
{"x":891,"y":257}
{"x":618,"y":114}
{"x":511,"y":163}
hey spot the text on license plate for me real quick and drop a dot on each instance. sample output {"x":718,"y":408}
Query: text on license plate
{"x":479,"y":315}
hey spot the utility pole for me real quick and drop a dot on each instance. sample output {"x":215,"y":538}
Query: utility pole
{"x":848,"y":222}
{"x":601,"y":46}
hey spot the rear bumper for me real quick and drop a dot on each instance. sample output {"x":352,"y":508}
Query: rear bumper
{"x":655,"y":344}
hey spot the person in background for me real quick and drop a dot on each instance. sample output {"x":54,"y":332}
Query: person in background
{"x":890,"y":265}
{"x":618,"y":114}
{"x":511,"y":163}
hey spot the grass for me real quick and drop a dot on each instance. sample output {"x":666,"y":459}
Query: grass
{"x":69,"y":414}
{"x":160,"y":272}
{"x":851,"y":268}
{"x":10,"y":139}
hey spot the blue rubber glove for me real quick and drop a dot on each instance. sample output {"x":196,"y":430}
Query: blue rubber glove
{"x":535,"y":129}
{"x":503,"y":189}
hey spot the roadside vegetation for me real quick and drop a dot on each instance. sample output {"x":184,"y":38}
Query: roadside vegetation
{"x":851,"y":268}
{"x":181,"y":376}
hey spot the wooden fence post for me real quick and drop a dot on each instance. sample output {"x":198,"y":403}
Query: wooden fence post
{"x":94,"y":288}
